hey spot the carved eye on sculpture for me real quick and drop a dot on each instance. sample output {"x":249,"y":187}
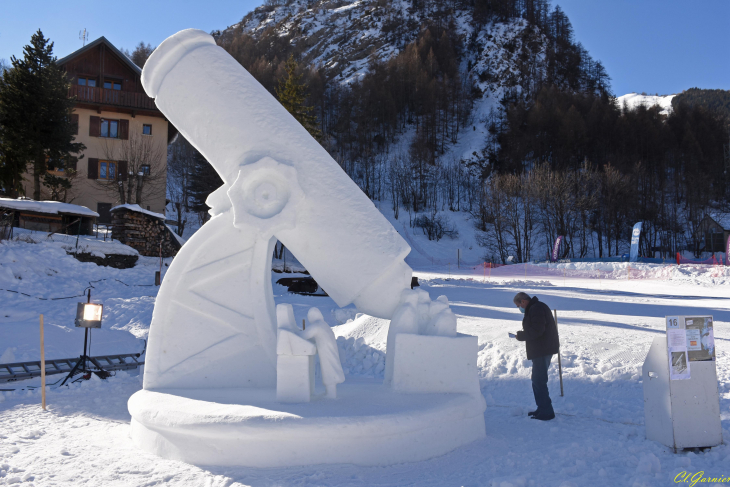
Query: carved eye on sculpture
{"x":261,"y":192}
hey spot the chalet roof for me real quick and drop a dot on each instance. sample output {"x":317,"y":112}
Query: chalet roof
{"x":49,"y":207}
{"x":95,"y":43}
{"x":722,"y":219}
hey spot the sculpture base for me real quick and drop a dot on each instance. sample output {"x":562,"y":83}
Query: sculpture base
{"x":367,"y":424}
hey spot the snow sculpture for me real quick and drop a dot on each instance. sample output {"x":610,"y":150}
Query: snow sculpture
{"x":294,"y":360}
{"x":329,"y":355}
{"x":425,"y":354}
{"x":215,"y":306}
{"x":228,"y":377}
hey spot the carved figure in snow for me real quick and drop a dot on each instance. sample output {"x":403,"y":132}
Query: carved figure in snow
{"x":329,"y":355}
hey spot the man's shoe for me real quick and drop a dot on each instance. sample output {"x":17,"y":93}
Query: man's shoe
{"x":532,"y":413}
{"x":544,"y":417}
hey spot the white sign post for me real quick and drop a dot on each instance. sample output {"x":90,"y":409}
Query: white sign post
{"x":681,"y":400}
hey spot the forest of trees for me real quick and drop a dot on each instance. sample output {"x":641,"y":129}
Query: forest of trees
{"x":562,"y":157}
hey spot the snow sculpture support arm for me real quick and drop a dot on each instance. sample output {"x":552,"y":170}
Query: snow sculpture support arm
{"x":213,"y":323}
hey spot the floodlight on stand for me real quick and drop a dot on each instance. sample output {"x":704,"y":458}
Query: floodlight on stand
{"x":88,"y":315}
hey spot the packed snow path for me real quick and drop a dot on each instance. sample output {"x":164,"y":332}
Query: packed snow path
{"x":596,"y":439}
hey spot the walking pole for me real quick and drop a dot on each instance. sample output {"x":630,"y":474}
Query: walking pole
{"x":43,"y":369}
{"x":560,"y":364}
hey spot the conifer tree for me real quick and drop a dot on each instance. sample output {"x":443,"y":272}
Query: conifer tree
{"x":203,"y":181}
{"x":36,"y":130}
{"x":292,"y":93}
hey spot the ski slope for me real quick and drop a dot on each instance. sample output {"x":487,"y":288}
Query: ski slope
{"x":597,"y":439}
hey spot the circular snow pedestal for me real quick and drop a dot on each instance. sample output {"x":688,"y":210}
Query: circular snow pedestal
{"x":367,"y":424}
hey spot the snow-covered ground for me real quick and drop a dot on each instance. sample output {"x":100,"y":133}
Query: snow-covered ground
{"x":597,"y":438}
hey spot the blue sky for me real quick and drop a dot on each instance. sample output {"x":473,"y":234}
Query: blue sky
{"x":656,"y":46}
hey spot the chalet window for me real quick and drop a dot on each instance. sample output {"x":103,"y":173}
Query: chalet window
{"x":146,"y":129}
{"x":144,"y":169}
{"x":107,"y":170}
{"x":84,"y":81}
{"x":109,"y":128}
{"x":112,"y":85}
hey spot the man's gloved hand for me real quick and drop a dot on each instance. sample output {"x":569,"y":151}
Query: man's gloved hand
{"x":520,"y":336}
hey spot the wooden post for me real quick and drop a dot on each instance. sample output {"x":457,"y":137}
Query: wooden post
{"x":43,"y":369}
{"x":303,"y":325}
{"x":560,"y":363}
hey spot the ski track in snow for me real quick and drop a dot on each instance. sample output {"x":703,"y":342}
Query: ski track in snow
{"x":597,"y":438}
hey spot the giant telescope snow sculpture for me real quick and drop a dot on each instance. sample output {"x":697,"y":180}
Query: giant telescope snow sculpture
{"x":209,"y":393}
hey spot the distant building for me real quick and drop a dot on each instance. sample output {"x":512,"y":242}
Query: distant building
{"x":713,"y":232}
{"x":47,"y":216}
{"x":115,"y":118}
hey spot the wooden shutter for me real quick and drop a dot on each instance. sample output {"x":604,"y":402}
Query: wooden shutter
{"x":93,"y":172}
{"x":94,"y":126}
{"x":122,"y":165}
{"x":75,"y":123}
{"x":124,"y":129}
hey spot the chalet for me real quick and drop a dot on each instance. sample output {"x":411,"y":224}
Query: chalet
{"x":712,"y":232}
{"x":124,"y":133}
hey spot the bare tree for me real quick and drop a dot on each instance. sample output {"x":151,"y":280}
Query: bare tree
{"x":140,"y":169}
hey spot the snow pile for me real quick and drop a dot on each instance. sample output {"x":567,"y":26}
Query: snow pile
{"x":362,"y":344}
{"x":82,"y":244}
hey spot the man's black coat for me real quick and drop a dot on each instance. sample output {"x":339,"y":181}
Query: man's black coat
{"x":539,"y":330}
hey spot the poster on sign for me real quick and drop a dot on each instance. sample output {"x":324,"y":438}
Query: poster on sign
{"x":677,"y":348}
{"x":689,"y":339}
{"x":700,"y":338}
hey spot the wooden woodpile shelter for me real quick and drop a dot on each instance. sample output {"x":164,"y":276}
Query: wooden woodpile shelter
{"x":47,"y":216}
{"x":144,"y":231}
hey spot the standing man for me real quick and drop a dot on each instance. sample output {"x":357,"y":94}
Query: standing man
{"x":541,"y":340}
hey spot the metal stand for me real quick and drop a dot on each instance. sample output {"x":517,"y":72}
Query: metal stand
{"x":84,"y":357}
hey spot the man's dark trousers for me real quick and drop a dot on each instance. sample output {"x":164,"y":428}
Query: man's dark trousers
{"x":540,"y":367}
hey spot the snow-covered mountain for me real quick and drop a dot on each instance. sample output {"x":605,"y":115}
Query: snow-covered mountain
{"x":344,"y":37}
{"x":633,"y":100}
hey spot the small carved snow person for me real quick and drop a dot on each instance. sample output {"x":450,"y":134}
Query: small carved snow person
{"x":329,"y":356}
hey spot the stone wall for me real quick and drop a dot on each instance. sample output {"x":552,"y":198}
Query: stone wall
{"x":143,"y":233}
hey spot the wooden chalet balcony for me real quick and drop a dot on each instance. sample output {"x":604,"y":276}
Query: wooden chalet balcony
{"x":103,"y":96}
